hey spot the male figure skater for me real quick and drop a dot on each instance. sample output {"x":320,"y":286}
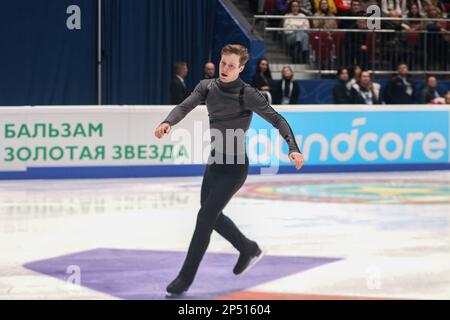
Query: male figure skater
{"x":230,"y":103}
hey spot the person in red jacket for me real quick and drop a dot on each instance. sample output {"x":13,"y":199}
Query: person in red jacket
{"x":343,"y":5}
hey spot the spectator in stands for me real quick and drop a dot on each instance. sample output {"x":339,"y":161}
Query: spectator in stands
{"x":434,"y":12}
{"x":400,"y":90}
{"x":354,"y":75}
{"x":447,"y":97}
{"x":419,"y":4}
{"x":354,"y":49}
{"x":282,"y":7}
{"x":210,"y":70}
{"x":354,"y":11}
{"x":399,"y":6}
{"x":343,"y":6}
{"x":178,"y":87}
{"x":438,"y":40}
{"x":365,"y":91}
{"x":305,"y":7}
{"x":262,"y":80}
{"x":331,"y":6}
{"x":287,"y":90}
{"x":394,"y":45}
{"x":341,"y":93}
{"x":438,"y":4}
{"x":367,"y":3}
{"x":429,"y":93}
{"x":414,"y":12}
{"x":322,"y":10}
{"x":394,"y":24}
{"x":298,"y":40}
{"x":285,"y":6}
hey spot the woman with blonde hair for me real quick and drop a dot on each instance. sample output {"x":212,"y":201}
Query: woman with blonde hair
{"x":323,"y":10}
{"x":331,"y":6}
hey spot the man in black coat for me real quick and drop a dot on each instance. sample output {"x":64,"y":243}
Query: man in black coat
{"x":400,"y":90}
{"x":429,"y":93}
{"x":178,"y":89}
{"x":341,"y":91}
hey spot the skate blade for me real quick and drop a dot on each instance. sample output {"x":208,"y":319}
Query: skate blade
{"x":170,"y":295}
{"x":252,"y":263}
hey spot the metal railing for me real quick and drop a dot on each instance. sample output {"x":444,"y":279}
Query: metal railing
{"x":378,"y":50}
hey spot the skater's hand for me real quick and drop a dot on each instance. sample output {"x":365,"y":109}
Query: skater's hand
{"x":164,"y":128}
{"x":298,"y":158}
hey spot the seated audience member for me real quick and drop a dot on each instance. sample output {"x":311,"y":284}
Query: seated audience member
{"x":353,"y":11}
{"x":365,"y":91}
{"x":354,"y":48}
{"x":317,"y":4}
{"x":341,"y":93}
{"x":400,"y":89}
{"x":305,"y":7}
{"x":323,"y":10}
{"x":262,"y":79}
{"x":437,"y":40}
{"x":420,"y":5}
{"x":287,"y":90}
{"x":414,"y":12}
{"x":447,"y":97}
{"x":297,"y":39}
{"x":430,"y":94}
{"x":354,"y":74}
{"x":438,"y":4}
{"x":398,"y":6}
{"x":343,"y":6}
{"x":367,"y":3}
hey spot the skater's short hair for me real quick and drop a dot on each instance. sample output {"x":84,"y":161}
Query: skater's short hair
{"x":237,"y":49}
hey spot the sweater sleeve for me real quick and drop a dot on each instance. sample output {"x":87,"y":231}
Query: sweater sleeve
{"x":193,"y":100}
{"x":256,"y":102}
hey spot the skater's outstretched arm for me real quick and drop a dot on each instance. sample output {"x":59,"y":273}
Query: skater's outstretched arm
{"x":257,"y":103}
{"x":181,"y":110}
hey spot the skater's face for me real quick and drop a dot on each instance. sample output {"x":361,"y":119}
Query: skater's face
{"x":229,"y":67}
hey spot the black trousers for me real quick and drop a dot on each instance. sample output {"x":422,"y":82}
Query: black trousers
{"x":220,"y":183}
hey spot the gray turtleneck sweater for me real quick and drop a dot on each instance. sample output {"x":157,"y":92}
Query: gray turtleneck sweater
{"x":225,"y":111}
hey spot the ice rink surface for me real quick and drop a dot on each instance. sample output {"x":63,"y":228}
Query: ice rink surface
{"x":326,"y":236}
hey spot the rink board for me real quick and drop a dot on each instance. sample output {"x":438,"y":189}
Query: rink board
{"x":118,"y":141}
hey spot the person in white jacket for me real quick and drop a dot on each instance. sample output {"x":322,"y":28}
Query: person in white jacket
{"x":400,"y":6}
{"x":297,"y":38}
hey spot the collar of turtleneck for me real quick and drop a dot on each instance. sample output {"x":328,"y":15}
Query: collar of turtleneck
{"x":233,"y":86}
